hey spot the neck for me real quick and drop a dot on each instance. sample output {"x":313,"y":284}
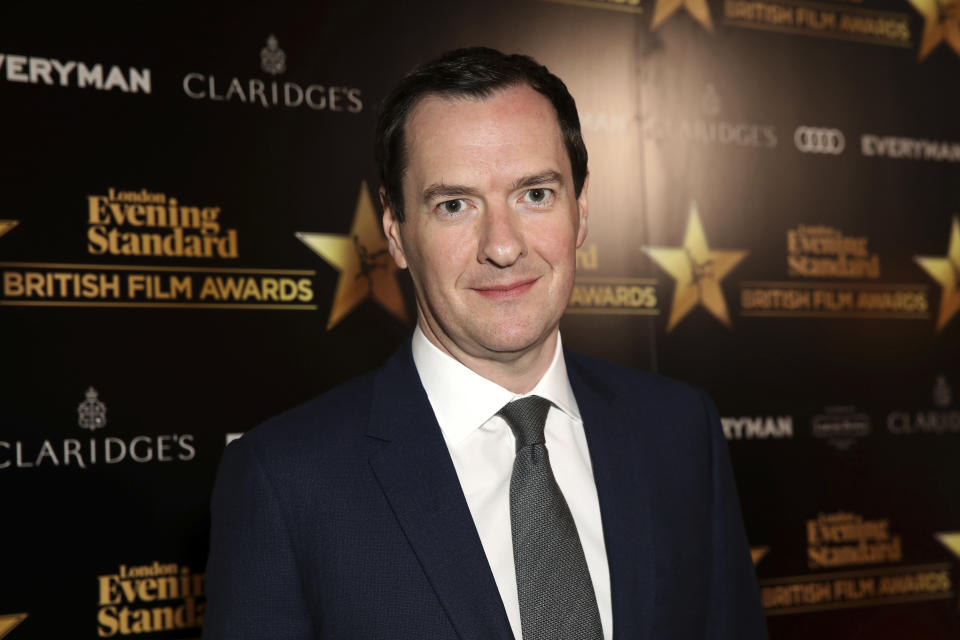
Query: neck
{"x":518,"y":372}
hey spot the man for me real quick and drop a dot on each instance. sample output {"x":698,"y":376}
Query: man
{"x":484,"y":483}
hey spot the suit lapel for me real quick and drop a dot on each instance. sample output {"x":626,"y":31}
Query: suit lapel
{"x":624,"y":505}
{"x":419,"y":480}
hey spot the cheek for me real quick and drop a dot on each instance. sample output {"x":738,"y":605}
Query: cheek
{"x":442,"y":258}
{"x":557,"y":245}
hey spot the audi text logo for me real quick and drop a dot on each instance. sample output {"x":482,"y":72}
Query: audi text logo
{"x":819,"y":140}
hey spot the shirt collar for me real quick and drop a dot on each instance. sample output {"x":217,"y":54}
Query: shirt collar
{"x":463,"y":400}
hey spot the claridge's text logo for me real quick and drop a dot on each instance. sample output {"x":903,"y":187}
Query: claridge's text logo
{"x":84,"y":453}
{"x":269,"y":93}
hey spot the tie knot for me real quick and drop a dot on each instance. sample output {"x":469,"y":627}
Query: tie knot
{"x":526,"y":417}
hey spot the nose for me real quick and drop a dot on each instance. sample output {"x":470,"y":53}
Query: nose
{"x":501,"y":237}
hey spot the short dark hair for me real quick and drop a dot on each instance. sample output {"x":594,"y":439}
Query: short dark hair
{"x":475,"y":72}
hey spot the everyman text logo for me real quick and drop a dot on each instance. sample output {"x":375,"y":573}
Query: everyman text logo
{"x":71,"y":73}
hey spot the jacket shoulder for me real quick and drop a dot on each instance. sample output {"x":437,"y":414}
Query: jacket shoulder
{"x":329,"y":420}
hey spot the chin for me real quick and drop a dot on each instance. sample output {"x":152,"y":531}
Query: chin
{"x":515,"y":339}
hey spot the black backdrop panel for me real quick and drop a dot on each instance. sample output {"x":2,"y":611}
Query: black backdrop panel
{"x":189,"y":244}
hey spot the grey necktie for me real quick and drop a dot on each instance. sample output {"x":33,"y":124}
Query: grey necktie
{"x":557,"y":601}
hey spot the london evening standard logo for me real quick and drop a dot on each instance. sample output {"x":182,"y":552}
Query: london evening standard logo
{"x":939,"y":416}
{"x":73,"y":73}
{"x":270,"y":92}
{"x":161,"y":596}
{"x":846,"y":539}
{"x":84,"y":451}
{"x":822,"y":251}
{"x":836,"y":275}
{"x":136,"y":224}
{"x":142,"y":223}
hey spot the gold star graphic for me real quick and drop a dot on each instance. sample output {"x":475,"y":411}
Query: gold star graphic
{"x":9,"y":621}
{"x":941,"y":21}
{"x":366,"y":268}
{"x":696,"y":8}
{"x":697,"y":270}
{"x":951,"y":540}
{"x":758,"y":553}
{"x":5,"y":226}
{"x":946,"y":271}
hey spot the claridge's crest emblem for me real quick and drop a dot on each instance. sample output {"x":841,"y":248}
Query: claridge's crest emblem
{"x":710,"y":104}
{"x":273,"y":60}
{"x":942,"y":396}
{"x":92,"y":413}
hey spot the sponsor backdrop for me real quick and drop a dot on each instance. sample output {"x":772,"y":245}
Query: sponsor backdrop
{"x":189,"y":244}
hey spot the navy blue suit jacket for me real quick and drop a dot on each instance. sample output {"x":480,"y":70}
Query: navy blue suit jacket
{"x":344,"y":518}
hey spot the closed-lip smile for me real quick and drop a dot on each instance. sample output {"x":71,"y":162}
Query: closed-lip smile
{"x":506,"y":290}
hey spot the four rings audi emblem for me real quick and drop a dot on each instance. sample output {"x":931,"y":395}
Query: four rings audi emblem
{"x":819,"y":140}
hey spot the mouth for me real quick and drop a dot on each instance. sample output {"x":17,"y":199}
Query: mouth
{"x":507,"y":290}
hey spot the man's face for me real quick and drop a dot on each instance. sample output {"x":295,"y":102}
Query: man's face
{"x":492,"y":223}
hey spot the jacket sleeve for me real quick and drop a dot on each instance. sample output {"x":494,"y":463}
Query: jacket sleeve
{"x":734,"y":608}
{"x":253,"y":584}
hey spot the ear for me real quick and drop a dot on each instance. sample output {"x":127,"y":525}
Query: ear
{"x":391,"y":229}
{"x":582,"y":211}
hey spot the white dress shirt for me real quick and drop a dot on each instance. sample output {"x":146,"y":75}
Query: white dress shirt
{"x":483,"y":450}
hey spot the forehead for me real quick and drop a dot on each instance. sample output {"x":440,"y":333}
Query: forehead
{"x":512,"y":131}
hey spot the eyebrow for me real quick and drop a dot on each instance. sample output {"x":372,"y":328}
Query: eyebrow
{"x":533,"y":180}
{"x":440,"y":190}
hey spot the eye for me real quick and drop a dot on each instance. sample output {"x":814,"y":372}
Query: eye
{"x":538,"y":196}
{"x":452,"y":207}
